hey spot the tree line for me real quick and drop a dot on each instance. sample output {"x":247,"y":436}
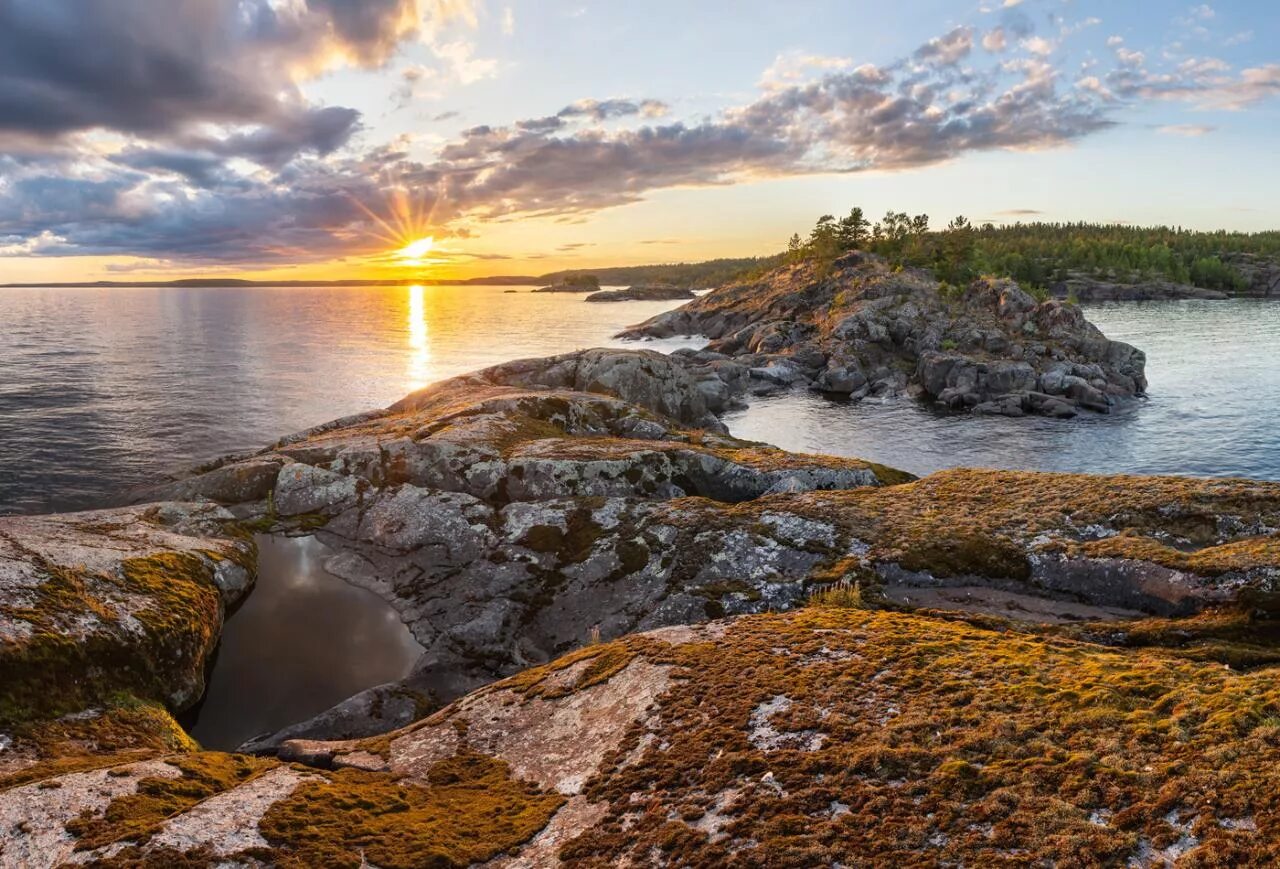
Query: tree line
{"x":1037,"y":254}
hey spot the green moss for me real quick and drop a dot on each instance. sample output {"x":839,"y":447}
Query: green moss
{"x":137,"y":816}
{"x":571,"y":545}
{"x":53,"y":672}
{"x":125,"y":730}
{"x":961,"y":554}
{"x":470,"y":811}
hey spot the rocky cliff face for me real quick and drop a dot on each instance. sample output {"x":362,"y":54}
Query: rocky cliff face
{"x":1262,"y":273}
{"x":1088,"y":289}
{"x":867,"y":329}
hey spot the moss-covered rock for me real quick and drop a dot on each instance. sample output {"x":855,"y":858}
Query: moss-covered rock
{"x":835,"y":734}
{"x":109,"y":603}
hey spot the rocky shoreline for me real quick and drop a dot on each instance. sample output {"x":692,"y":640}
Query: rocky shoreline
{"x":650,"y":293}
{"x":645,"y":636}
{"x":865,"y":328}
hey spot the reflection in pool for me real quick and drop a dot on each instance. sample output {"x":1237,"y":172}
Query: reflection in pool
{"x":302,"y":641}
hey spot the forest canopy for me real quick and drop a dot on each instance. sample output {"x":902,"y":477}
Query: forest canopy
{"x":1038,"y":254}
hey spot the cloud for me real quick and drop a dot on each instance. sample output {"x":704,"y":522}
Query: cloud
{"x":1186,"y":129}
{"x":1019,"y":212}
{"x":260,"y":176}
{"x":947,"y":50}
{"x":1206,"y":83}
{"x":138,"y":67}
{"x":791,"y":67}
{"x":1038,"y":45}
{"x":603,"y":110}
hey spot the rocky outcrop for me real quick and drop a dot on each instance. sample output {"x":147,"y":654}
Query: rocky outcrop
{"x":643,"y":293}
{"x":868,"y":329}
{"x":508,"y":514}
{"x":1087,"y":289}
{"x":509,"y":517}
{"x":572,"y":284}
{"x":129,"y":599}
{"x":828,"y":736}
{"x":1074,"y":706}
{"x":107,"y":618}
{"x":1261,"y":272}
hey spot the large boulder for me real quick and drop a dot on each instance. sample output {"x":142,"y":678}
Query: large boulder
{"x":125,"y":599}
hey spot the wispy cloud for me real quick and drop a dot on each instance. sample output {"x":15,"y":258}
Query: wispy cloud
{"x":1189,"y":130}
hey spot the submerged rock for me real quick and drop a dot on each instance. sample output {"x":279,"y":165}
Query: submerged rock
{"x":867,"y":329}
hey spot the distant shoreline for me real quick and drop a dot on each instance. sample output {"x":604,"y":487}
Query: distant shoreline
{"x":501,"y":280}
{"x":700,"y":275}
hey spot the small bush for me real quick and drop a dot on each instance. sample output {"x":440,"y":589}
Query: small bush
{"x":841,"y":595}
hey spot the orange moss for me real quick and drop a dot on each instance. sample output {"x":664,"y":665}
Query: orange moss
{"x":470,"y":810}
{"x":136,"y":816}
{"x":126,"y":730}
{"x":940,"y":743}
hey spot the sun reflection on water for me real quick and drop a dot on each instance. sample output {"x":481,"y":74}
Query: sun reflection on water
{"x":419,"y":345}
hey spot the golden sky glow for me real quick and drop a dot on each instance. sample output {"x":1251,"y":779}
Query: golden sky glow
{"x":414,"y":252}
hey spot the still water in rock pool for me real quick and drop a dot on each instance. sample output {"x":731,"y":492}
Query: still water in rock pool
{"x":302,"y":641}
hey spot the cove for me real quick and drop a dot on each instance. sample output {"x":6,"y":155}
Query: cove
{"x":301,"y":642}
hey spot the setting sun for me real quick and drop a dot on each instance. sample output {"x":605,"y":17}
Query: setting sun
{"x":413,"y":252}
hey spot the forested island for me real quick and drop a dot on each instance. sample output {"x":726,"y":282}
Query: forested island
{"x":1058,"y":258}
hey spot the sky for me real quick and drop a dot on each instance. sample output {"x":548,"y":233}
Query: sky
{"x":309,"y":139}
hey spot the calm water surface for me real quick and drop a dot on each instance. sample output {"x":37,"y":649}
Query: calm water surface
{"x":302,"y":641}
{"x":101,"y":388}
{"x":1213,"y":410}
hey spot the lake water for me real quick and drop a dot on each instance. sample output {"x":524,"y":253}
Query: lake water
{"x":100,"y":388}
{"x":1213,"y":408}
{"x":302,"y":641}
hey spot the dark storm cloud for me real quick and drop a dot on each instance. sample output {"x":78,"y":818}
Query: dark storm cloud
{"x":148,"y":68}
